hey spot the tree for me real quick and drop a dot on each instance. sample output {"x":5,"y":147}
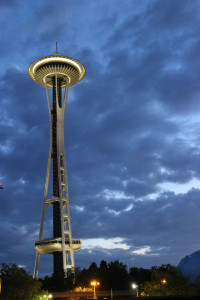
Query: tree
{"x":103,"y":276}
{"x":103,"y":266}
{"x":139,"y":275}
{"x":167,"y":280}
{"x":117,"y":275}
{"x":59,"y":283}
{"x":93,"y":269}
{"x":17,"y":284}
{"x":113,"y":275}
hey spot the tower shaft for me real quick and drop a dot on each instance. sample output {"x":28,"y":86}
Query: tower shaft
{"x":57,"y":256}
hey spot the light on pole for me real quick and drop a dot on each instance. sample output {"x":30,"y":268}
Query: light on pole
{"x":48,"y":296}
{"x":135,"y":286}
{"x":163,"y":281}
{"x":95,"y":283}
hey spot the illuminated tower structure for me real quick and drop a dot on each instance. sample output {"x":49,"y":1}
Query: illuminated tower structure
{"x":57,"y":72}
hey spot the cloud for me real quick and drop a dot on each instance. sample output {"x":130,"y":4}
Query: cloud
{"x":113,"y":243}
{"x":146,"y":250}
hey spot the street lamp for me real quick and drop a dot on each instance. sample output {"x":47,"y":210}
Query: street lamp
{"x":163,"y":281}
{"x":95,"y":283}
{"x":48,"y":296}
{"x":135,"y":286}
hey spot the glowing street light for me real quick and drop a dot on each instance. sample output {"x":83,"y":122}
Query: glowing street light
{"x":48,"y":296}
{"x":135,"y":286}
{"x":163,"y":281}
{"x":95,"y":283}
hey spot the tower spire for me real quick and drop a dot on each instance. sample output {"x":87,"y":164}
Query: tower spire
{"x":57,"y":73}
{"x":56,"y":47}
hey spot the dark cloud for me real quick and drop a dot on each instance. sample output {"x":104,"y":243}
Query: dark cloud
{"x":8,"y":4}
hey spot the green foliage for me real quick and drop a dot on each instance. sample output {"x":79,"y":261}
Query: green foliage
{"x":197,"y":284}
{"x":175,"y":283}
{"x":17,"y":284}
{"x":58,"y":283}
{"x":139,"y":275}
{"x":113,"y":275}
{"x":116,"y":276}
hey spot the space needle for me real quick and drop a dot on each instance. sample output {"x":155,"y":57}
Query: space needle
{"x":57,"y":73}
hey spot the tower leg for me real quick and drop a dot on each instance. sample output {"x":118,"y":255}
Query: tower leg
{"x":65,"y":263}
{"x":37,"y":260}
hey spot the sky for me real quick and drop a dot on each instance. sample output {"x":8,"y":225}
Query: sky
{"x":132,"y":129}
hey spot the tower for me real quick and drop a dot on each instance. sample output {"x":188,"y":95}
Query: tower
{"x":57,"y":72}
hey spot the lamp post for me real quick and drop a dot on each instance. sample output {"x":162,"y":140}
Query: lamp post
{"x":135,"y":286}
{"x":95,"y":283}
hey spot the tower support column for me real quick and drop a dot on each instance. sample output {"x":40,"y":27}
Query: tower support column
{"x":57,"y":256}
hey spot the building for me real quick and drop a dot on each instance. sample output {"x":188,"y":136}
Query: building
{"x":57,"y":73}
